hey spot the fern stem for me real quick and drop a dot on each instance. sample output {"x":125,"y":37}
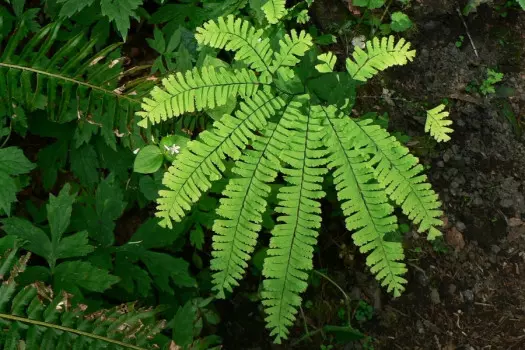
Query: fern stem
{"x":74,"y":81}
{"x":69,"y":330}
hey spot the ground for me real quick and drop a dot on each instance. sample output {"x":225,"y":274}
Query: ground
{"x":469,"y":292}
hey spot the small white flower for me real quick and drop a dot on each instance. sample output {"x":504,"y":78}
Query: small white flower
{"x":136,"y":151}
{"x":174,"y":149}
{"x":359,"y":41}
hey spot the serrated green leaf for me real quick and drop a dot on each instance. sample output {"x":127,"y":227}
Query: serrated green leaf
{"x":14,"y":162}
{"x":35,"y":240}
{"x":8,"y":190}
{"x":165,"y":268}
{"x":197,"y":237}
{"x":400,"y":22}
{"x":183,"y":324}
{"x":120,"y":11}
{"x":59,"y":213}
{"x":51,"y":159}
{"x":149,"y":160}
{"x":151,"y":235}
{"x":371,"y":4}
{"x":71,"y":7}
{"x":85,"y":164}
{"x":82,"y":274}
{"x":75,"y":245}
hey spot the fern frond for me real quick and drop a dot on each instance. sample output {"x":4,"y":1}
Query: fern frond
{"x":364,"y":203}
{"x":202,"y":160}
{"x":437,"y":124}
{"x":291,"y":47}
{"x":69,"y":82}
{"x":33,"y":318}
{"x":235,"y":34}
{"x":197,"y":89}
{"x":328,"y":62}
{"x":378,"y":56}
{"x":293,"y":239}
{"x":400,"y":173}
{"x":245,"y":202}
{"x":274,"y":10}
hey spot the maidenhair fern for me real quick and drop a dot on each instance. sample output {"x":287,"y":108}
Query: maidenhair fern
{"x":33,"y":317}
{"x":294,"y":119}
{"x":70,"y":82}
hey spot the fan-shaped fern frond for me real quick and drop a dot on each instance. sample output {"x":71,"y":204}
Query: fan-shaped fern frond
{"x":292,"y":46}
{"x":197,"y":89}
{"x":364,"y":203}
{"x":202,"y":160}
{"x":437,"y":124}
{"x":69,"y":82}
{"x":274,"y":10}
{"x":245,"y":202}
{"x":33,"y":318}
{"x":235,"y":34}
{"x":328,"y":62}
{"x":400,"y":174}
{"x":378,"y":55}
{"x":294,"y":237}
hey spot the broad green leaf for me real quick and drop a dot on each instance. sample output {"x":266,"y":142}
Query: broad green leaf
{"x":183,"y":324}
{"x":74,"y":245}
{"x":51,"y":159}
{"x":35,"y":240}
{"x":149,"y":160}
{"x":400,"y":22}
{"x":120,"y":11}
{"x":8,"y":190}
{"x":172,"y":145}
{"x":151,"y":235}
{"x":14,"y":162}
{"x":84,"y":164}
{"x":71,"y":274}
{"x":59,"y":213}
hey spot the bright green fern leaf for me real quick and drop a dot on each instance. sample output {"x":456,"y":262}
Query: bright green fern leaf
{"x":437,"y":124}
{"x":328,"y":62}
{"x":291,"y":47}
{"x":197,"y":89}
{"x":274,"y":10}
{"x":245,"y":203}
{"x":202,"y":160}
{"x":294,"y":238}
{"x":364,"y":203}
{"x":235,"y":34}
{"x":378,"y":55}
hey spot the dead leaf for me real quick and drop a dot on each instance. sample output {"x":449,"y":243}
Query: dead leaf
{"x":355,"y":10}
{"x":174,"y":346}
{"x":455,"y":238}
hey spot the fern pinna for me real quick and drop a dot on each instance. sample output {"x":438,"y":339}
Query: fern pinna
{"x":293,"y":118}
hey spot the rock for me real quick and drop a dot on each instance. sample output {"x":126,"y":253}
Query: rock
{"x":441,"y":164}
{"x":506,"y":203}
{"x":452,"y":288}
{"x":495,"y":249}
{"x":461,"y":226}
{"x":434,"y":296}
{"x":468,"y":295}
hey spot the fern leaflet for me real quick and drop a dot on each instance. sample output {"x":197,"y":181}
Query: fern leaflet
{"x":293,"y":239}
{"x":274,"y":10}
{"x":379,"y":55}
{"x":437,"y":124}
{"x":328,"y":62}
{"x":235,"y":34}
{"x":291,"y":47}
{"x":198,"y":89}
{"x":202,"y":160}
{"x":364,"y":203}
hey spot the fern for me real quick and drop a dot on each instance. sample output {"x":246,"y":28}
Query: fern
{"x":291,"y":131}
{"x":379,"y":55}
{"x":70,"y":82}
{"x":437,"y":124}
{"x":34,"y":318}
{"x":274,"y":10}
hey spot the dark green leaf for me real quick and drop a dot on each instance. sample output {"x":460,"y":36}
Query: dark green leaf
{"x":182,"y":324}
{"x":59,"y":213}
{"x":84,"y":164}
{"x":149,"y":160}
{"x":74,"y":246}
{"x":82,"y":274}
{"x":8,"y":190}
{"x":14,"y":162}
{"x":36,"y":240}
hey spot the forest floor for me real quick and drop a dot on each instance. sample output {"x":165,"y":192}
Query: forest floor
{"x":468,"y":293}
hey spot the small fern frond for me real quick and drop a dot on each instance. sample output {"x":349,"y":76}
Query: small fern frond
{"x":291,"y":47}
{"x":328,"y":62}
{"x":400,"y":173}
{"x":203,"y":159}
{"x":235,"y":34}
{"x":199,"y":88}
{"x":274,"y":10}
{"x":294,"y":237}
{"x":364,"y":203}
{"x":378,"y":56}
{"x":33,"y":318}
{"x":245,"y":203}
{"x":437,"y":124}
{"x":69,"y":81}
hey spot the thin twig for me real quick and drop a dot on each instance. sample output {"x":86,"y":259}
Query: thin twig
{"x":305,"y":324}
{"x":468,"y":33}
